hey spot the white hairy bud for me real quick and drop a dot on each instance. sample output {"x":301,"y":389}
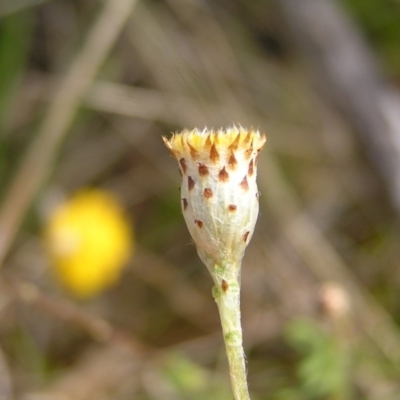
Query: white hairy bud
{"x":219,"y":192}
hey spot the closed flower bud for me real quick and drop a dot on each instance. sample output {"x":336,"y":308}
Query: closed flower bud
{"x":219,"y":192}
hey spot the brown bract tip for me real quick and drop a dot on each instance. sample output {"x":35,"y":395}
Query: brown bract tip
{"x":214,"y":155}
{"x":203,"y":170}
{"x":208,"y":193}
{"x":244,"y":184}
{"x":251,"y":168}
{"x":232,"y":162}
{"x":248,"y":153}
{"x":235,"y":144}
{"x":223,"y":176}
{"x":208,"y":142}
{"x":248,"y":137}
{"x":198,"y":223}
{"x":191,"y":183}
{"x":193,"y":151}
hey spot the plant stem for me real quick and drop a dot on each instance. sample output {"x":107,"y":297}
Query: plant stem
{"x":226,"y":293}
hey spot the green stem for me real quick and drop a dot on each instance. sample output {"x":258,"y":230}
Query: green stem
{"x":226,"y":293}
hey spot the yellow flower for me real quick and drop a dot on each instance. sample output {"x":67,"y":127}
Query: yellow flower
{"x":219,"y":192}
{"x":89,"y":241}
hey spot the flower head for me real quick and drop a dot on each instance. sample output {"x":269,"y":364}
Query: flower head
{"x":89,"y":241}
{"x":219,"y":192}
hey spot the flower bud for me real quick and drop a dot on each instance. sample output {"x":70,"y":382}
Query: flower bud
{"x":219,"y":194}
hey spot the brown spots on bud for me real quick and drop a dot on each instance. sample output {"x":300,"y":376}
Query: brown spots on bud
{"x":183,"y":165}
{"x":191,"y":183}
{"x":244,"y":184}
{"x":248,"y":153}
{"x":251,"y":168}
{"x":184,"y":203}
{"x":214,"y":155}
{"x":199,"y":223}
{"x":245,"y":236}
{"x":224,"y":285}
{"x":203,"y":170}
{"x":208,"y":193}
{"x":223,"y":176}
{"x":232,"y":207}
{"x":232,"y":163}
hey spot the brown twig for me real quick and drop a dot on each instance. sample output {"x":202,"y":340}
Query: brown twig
{"x":98,"y":328}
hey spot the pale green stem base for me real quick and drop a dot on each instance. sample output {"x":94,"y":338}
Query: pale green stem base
{"x":226,"y":293}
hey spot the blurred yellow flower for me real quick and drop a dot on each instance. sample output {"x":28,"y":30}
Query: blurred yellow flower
{"x":89,"y":241}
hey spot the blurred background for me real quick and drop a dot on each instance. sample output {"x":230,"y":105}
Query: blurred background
{"x":87,"y":90}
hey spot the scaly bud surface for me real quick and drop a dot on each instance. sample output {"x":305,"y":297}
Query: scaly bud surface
{"x":219,"y":192}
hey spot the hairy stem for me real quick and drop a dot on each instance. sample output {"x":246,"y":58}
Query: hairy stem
{"x":226,"y":293}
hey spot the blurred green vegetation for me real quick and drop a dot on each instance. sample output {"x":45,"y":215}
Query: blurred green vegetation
{"x":323,"y":370}
{"x":380,"y":22}
{"x":15,"y":44}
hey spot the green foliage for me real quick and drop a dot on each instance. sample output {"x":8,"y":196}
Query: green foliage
{"x":323,"y":370}
{"x":189,"y":381}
